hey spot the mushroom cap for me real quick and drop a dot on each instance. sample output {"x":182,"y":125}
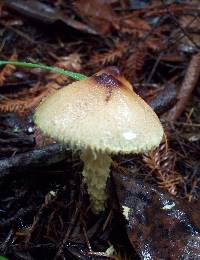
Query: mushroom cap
{"x":102,"y":113}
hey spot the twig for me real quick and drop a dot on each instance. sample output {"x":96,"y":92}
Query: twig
{"x":19,"y":214}
{"x":47,"y":202}
{"x":91,"y":252}
{"x":66,"y":237}
{"x":38,"y":157}
{"x":4,"y":245}
{"x":185,"y":92}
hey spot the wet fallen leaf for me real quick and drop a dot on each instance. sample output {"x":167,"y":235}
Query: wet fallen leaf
{"x":98,"y":14}
{"x":158,"y":225}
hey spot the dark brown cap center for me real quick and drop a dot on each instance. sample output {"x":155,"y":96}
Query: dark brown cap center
{"x":107,"y":81}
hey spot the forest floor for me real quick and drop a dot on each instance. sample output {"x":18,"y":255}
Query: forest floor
{"x":44,"y":207}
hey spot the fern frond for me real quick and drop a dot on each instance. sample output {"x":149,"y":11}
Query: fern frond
{"x":110,"y":56}
{"x":7,"y":70}
{"x":161,"y":162}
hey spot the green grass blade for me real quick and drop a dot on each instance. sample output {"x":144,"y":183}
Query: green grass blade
{"x":68,"y":73}
{"x":3,"y":258}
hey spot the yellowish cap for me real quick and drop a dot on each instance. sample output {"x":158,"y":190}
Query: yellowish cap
{"x":101,"y":112}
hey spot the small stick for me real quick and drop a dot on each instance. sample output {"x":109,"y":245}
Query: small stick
{"x":66,"y":237}
{"x":188,"y":85}
{"x":38,"y":157}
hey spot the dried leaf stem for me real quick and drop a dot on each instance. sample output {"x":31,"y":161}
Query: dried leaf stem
{"x":189,"y":83}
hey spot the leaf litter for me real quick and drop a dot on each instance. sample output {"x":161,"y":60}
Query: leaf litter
{"x":44,"y":209}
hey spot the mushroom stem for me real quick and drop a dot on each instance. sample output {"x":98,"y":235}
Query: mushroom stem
{"x":96,"y":172}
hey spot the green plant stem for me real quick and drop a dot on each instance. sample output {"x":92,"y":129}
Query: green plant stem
{"x":68,"y":73}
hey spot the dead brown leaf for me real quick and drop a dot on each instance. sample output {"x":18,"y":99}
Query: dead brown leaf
{"x":98,"y":14}
{"x":7,"y":70}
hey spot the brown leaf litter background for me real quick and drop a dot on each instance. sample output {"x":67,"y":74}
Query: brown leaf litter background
{"x":44,"y":210}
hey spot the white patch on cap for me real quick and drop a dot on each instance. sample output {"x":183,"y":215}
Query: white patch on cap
{"x":129,"y":135}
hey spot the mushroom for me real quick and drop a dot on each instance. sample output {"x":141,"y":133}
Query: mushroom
{"x":99,"y":116}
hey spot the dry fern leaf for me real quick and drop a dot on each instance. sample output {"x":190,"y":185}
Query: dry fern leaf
{"x":135,"y":26}
{"x":30,"y":99}
{"x":162,"y":163}
{"x":135,"y":61}
{"x":12,"y":106}
{"x":7,"y":70}
{"x":110,"y":56}
{"x":71,"y":62}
